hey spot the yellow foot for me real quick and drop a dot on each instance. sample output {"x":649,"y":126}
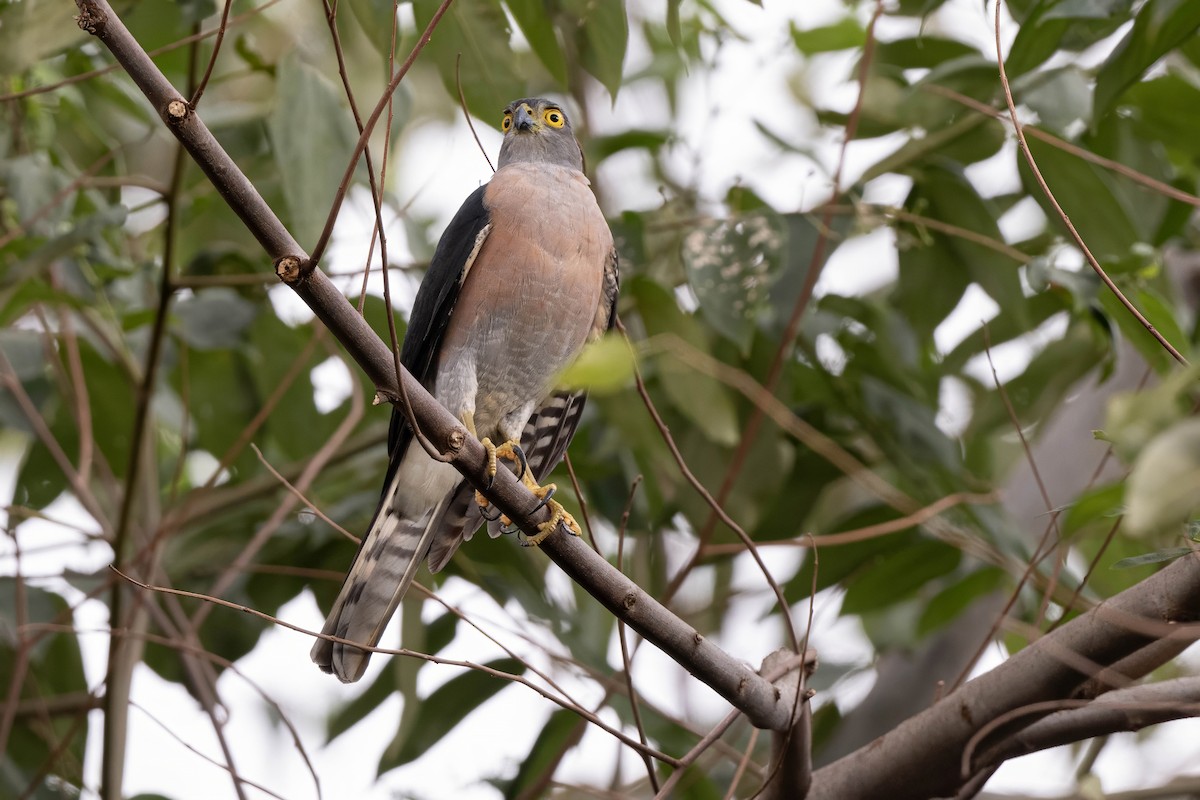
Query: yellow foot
{"x":558,"y":515}
{"x":509,"y":451}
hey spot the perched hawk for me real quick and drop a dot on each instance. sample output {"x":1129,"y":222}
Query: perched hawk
{"x":522,"y":279}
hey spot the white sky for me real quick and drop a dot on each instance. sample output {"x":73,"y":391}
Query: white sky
{"x":725,"y":149}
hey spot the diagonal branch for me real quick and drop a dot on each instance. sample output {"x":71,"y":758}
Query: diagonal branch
{"x":921,"y":757}
{"x":1128,"y":709}
{"x":764,"y":704}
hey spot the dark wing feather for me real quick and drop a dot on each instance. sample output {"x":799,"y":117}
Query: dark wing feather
{"x":431,"y":311}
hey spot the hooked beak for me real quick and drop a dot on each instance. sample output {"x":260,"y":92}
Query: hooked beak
{"x":523,"y":118}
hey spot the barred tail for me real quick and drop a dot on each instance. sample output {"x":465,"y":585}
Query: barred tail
{"x":381,"y":573}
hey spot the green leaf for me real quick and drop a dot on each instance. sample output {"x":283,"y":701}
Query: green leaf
{"x":1104,"y":504}
{"x":26,"y":353}
{"x":900,"y":575}
{"x":1061,"y":98}
{"x":921,"y":52}
{"x":1102,"y":212}
{"x":912,"y":424}
{"x":560,"y":733}
{"x":947,"y":195}
{"x":295,"y":428}
{"x":948,"y":604}
{"x":478,"y":30}
{"x":445,"y":708}
{"x":376,"y":18}
{"x":1167,"y":109}
{"x":1164,"y":485}
{"x":731,"y":266}
{"x":1160,"y":25}
{"x":674,"y":31}
{"x":804,"y":232}
{"x":222,"y":399}
{"x":841,"y":563}
{"x":309,"y":126}
{"x":698,"y":396}
{"x":601,"y":147}
{"x":534,"y":17}
{"x":54,"y":670}
{"x":1133,"y":330}
{"x":845,"y":34}
{"x":1063,"y":25}
{"x":604,"y":366}
{"x":214,"y":318}
{"x":602,"y":36}
{"x":31,"y":31}
{"x":1159,"y":313}
{"x":1157,"y":557}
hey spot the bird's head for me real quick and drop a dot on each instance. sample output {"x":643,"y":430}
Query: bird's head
{"x":538,"y":130}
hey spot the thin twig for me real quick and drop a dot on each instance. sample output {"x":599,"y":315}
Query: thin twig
{"x":462,"y":101}
{"x":918,"y":517}
{"x":212,"y":61}
{"x":1079,"y":242}
{"x":310,"y":505}
{"x":368,"y":127}
{"x":626,"y":660}
{"x":784,"y":607}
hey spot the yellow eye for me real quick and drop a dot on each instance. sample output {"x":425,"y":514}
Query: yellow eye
{"x":506,"y":124}
{"x":554,"y":118}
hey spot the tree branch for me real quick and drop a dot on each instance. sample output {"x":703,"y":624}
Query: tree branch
{"x":1121,"y":710}
{"x":921,"y":757}
{"x":765,"y":705}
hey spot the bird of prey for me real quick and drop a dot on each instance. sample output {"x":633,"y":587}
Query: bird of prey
{"x":524,"y":276}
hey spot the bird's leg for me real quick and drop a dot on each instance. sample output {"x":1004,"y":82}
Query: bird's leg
{"x":511,"y":451}
{"x":468,"y":420}
{"x":558,"y":514}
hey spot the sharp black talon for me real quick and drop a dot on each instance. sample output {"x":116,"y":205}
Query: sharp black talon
{"x":509,"y":529}
{"x":550,"y":490}
{"x":524,"y":461}
{"x":490,"y":518}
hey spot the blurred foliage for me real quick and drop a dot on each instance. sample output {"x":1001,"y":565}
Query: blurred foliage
{"x":85,"y":169}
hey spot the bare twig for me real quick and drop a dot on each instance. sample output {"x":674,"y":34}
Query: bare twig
{"x":212,"y":60}
{"x":784,"y":607}
{"x":1066,"y":220}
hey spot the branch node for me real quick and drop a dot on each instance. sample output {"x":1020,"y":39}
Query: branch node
{"x":288,"y":269}
{"x":456,"y":439}
{"x":629,"y":601}
{"x":177,"y":111}
{"x":91,"y":18}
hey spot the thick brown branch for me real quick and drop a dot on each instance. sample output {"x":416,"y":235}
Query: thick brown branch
{"x":761,"y":701}
{"x":1122,"y":710}
{"x":921,"y":757}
